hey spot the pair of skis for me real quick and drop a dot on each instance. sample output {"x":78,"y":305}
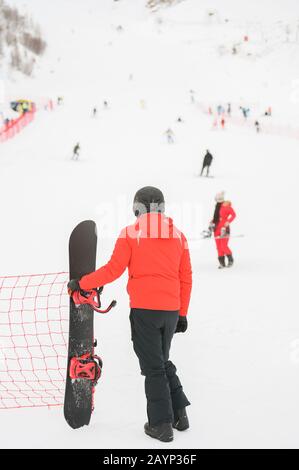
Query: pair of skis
{"x":84,"y":367}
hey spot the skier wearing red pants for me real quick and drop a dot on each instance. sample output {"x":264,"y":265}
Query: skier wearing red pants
{"x":224,"y":214}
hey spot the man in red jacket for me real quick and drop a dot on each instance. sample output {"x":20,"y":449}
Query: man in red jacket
{"x":160,"y":279}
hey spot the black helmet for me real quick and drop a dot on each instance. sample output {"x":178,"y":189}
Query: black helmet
{"x":148,"y":199}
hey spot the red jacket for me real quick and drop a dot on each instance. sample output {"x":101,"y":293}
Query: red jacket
{"x":226,"y":216}
{"x":157,"y":257}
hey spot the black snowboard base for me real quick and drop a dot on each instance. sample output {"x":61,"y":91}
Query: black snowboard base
{"x":78,"y":402}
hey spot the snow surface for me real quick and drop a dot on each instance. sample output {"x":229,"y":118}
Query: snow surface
{"x":239,"y":360}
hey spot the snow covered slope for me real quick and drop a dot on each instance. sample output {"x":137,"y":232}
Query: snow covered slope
{"x":238,"y":360}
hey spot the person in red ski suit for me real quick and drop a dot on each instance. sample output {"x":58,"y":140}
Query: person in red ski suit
{"x":223,"y":216}
{"x":157,"y":257}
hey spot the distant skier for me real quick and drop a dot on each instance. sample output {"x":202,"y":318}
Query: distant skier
{"x":207,"y":161}
{"x":268,"y":111}
{"x":215,"y":123}
{"x":222,"y":122}
{"x":220,"y":225}
{"x":157,"y":257}
{"x":94,"y":112}
{"x":76,"y":152}
{"x":192,"y":96}
{"x":229,"y":109}
{"x":220,"y":109}
{"x":245,"y":111}
{"x":105,"y":104}
{"x":257,"y":126}
{"x":170,"y":136}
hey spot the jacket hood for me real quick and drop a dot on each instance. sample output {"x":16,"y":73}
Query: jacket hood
{"x":155,"y":225}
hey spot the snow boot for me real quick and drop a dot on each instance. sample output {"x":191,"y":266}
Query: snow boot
{"x":221,"y":260}
{"x":163,"y":432}
{"x":181,"y":422}
{"x":230,"y":261}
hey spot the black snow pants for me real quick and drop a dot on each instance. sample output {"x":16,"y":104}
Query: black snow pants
{"x":207,"y":167}
{"x":152,"y":332}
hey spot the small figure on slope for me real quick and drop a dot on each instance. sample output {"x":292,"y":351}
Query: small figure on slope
{"x":245,"y":111}
{"x":170,"y":136}
{"x":192,"y":96}
{"x":76,"y":152}
{"x":94,"y":112}
{"x":268,"y":111}
{"x":207,"y":161}
{"x":224,"y":214}
{"x":257,"y":126}
{"x":220,"y":110}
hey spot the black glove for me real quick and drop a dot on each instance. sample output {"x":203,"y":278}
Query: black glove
{"x":182,"y":325}
{"x":72,"y":286}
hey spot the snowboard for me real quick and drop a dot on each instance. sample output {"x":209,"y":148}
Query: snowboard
{"x":239,"y":235}
{"x":78,"y":401}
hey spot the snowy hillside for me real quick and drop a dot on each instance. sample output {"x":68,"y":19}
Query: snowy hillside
{"x":238,"y":360}
{"x":20,"y":42}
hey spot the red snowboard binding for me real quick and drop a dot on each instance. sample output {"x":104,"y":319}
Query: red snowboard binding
{"x":91,"y":298}
{"x":86,"y":367}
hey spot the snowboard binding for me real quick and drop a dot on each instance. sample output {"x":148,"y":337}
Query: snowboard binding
{"x":87,"y":367}
{"x":91,"y":298}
